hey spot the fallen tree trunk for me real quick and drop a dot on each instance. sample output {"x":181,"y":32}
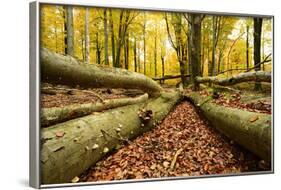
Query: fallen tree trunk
{"x":259,"y":76}
{"x":166,"y":77}
{"x":249,"y":129}
{"x":60,"y":69}
{"x":51,"y":116}
{"x":70,"y":148}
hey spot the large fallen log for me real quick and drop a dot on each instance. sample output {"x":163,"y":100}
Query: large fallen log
{"x":70,"y":148}
{"x":60,"y":69}
{"x":259,"y":76}
{"x":51,"y":116}
{"x":249,"y":129}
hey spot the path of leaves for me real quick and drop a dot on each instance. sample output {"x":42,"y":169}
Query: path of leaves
{"x":201,"y":150}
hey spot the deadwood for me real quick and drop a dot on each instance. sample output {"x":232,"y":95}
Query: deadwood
{"x":51,"y":116}
{"x":259,"y":76}
{"x":60,"y":69}
{"x":249,"y":129}
{"x":70,"y":148}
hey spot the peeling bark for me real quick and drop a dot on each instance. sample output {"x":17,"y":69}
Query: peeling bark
{"x":249,"y":129}
{"x":69,"y":148}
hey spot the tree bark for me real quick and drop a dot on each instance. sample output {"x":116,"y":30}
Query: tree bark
{"x":106,"y":62}
{"x":247,"y":47}
{"x":51,"y":116}
{"x":87,"y":36}
{"x":135,"y":54}
{"x":69,"y":31}
{"x":178,"y":45}
{"x":249,"y":129}
{"x":259,"y":76}
{"x":112,"y":38}
{"x":195,"y":45}
{"x":144,"y":43}
{"x":155,"y":56}
{"x":257,"y":47}
{"x":70,"y":148}
{"x":59,"y":69}
{"x":126,"y":51}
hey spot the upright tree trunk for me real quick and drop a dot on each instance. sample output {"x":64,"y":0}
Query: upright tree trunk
{"x":257,"y":47}
{"x":98,"y":51}
{"x":70,"y":32}
{"x":112,"y":38}
{"x":65,"y":28}
{"x":126,"y":51}
{"x":138,"y":55}
{"x":119,"y":40}
{"x":155,"y":56}
{"x":87,"y":36}
{"x":105,"y":37}
{"x":144,"y":43}
{"x":135,"y":55}
{"x":247,"y":46}
{"x":195,"y":42}
{"x":213,"y":65}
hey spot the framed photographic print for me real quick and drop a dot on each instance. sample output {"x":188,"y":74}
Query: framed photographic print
{"x":126,"y":94}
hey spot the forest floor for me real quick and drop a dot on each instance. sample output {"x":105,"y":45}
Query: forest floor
{"x":184,"y":144}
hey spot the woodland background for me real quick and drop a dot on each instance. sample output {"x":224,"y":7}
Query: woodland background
{"x":154,"y":43}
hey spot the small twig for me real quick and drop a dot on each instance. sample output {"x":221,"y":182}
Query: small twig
{"x":175,"y":158}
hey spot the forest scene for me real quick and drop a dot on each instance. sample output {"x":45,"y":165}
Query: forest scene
{"x":137,"y":94}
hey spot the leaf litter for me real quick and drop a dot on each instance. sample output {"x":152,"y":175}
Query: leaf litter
{"x":182,"y":145}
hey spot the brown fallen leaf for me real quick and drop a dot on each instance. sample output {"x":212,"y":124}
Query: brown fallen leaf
{"x":60,"y":134}
{"x":206,"y":167}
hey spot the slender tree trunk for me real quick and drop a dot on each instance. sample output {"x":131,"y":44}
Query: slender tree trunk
{"x":213,"y":66}
{"x":112,"y":38}
{"x":65,"y":29}
{"x":82,"y":46}
{"x":135,"y":55}
{"x":138,"y":55}
{"x":144,"y":43}
{"x":70,"y":32}
{"x":98,"y":52}
{"x":126,"y":51}
{"x":257,"y":47}
{"x":247,"y":46}
{"x":56,"y":36}
{"x":203,"y":53}
{"x":106,"y":61}
{"x":119,"y":40}
{"x":155,"y":56}
{"x":87,"y":36}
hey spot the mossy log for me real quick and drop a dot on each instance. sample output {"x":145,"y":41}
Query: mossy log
{"x":249,"y":129}
{"x":61,"y":69}
{"x":259,"y":76}
{"x":51,"y":116}
{"x":70,"y":148}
